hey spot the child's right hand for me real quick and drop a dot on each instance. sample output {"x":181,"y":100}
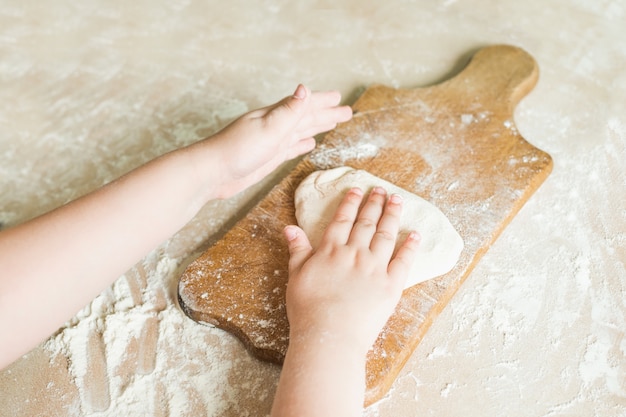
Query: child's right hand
{"x":346,"y":290}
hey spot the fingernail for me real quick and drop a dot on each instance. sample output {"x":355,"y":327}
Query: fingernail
{"x":291,"y":233}
{"x":396,"y":199}
{"x":356,"y":190}
{"x":414,"y":236}
{"x":300,"y":92}
{"x":379,"y":190}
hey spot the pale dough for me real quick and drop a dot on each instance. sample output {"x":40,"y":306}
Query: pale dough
{"x":319,"y":195}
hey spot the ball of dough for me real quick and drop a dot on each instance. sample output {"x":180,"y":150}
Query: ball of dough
{"x":319,"y":195}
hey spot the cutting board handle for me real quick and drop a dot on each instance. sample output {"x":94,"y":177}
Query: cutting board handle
{"x":496,"y":79}
{"x":499,"y":74}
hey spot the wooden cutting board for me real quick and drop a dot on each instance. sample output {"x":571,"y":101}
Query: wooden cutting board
{"x":455,"y":144}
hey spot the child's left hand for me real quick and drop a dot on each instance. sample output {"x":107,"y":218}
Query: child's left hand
{"x":258,"y":142}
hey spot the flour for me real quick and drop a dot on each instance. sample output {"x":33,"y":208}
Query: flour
{"x":93,"y":90}
{"x":363,"y":147}
{"x":467,"y":119}
{"x":130,"y":358}
{"x":544,"y":293}
{"x":525,"y":291}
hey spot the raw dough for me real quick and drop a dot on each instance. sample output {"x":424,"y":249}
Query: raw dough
{"x":319,"y":195}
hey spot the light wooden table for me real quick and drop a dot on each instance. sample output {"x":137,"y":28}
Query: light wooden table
{"x":89,"y":91}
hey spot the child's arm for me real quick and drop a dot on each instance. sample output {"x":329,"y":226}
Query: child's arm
{"x":338,"y":300}
{"x":52,"y":266}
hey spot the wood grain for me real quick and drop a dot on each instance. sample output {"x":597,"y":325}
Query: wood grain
{"x":454,"y":144}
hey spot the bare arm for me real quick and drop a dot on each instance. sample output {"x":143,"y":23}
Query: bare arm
{"x":53,"y":265}
{"x":338,"y":300}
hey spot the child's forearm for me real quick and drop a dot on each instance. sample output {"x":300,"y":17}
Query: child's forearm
{"x":321,"y":378}
{"x":54,"y":265}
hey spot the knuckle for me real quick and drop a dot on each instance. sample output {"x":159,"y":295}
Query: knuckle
{"x":365,"y":223}
{"x":343,"y":218}
{"x":385,"y":235}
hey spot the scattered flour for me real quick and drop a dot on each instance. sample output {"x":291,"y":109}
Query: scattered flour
{"x":467,"y":119}
{"x":538,"y":329}
{"x":132,"y":351}
{"x":364,"y":145}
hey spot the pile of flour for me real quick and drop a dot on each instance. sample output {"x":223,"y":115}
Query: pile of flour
{"x":133,"y":352}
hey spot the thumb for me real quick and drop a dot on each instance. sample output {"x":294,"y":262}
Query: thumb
{"x":290,"y":109}
{"x":301,"y":92}
{"x":299,"y":247}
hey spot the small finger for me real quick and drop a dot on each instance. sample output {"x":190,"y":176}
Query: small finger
{"x":402,"y":262}
{"x":384,"y":240}
{"x":339,"y":229}
{"x":301,"y":147}
{"x":367,"y":219}
{"x":315,"y":130}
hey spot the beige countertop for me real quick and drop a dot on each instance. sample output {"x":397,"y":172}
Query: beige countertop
{"x":90,"y":90}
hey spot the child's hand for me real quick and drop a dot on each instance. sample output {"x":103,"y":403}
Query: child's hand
{"x":345,"y":292}
{"x":258,"y":142}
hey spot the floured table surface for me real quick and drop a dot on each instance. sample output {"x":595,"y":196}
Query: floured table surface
{"x":454,"y":144}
